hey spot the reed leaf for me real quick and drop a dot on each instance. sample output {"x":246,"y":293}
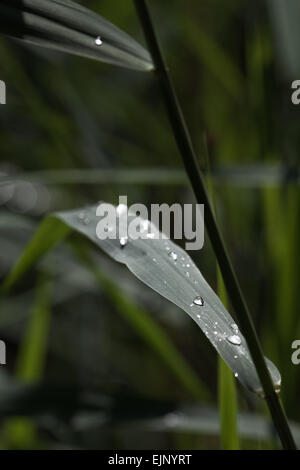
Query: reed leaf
{"x":68,"y":27}
{"x":150,"y":261}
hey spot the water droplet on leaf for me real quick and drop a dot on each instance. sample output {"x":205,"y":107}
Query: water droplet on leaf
{"x":198,"y":301}
{"x":234,"y":339}
{"x":98,"y":41}
{"x":123,"y":241}
{"x":173,"y":255}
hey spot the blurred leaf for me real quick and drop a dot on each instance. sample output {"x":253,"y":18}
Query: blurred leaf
{"x":149,"y":260}
{"x":150,"y":331}
{"x":205,"y":420}
{"x":68,"y":27}
{"x":47,"y":235}
{"x":20,"y":432}
{"x":285,"y":19}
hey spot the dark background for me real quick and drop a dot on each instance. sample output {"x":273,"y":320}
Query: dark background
{"x":232,"y":63}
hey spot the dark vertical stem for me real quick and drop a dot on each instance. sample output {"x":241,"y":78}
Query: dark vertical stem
{"x":185,"y":146}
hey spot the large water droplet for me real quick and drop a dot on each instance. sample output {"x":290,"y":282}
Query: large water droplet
{"x":173,"y":255}
{"x":123,"y":241}
{"x":234,"y":339}
{"x":98,"y":41}
{"x":198,"y":301}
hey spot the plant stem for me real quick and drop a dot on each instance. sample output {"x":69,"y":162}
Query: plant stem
{"x":185,"y":146}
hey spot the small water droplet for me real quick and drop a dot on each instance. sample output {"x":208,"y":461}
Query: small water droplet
{"x":198,"y":301}
{"x":216,"y":323}
{"x":234,"y":339}
{"x":187,"y":274}
{"x":154,"y":259}
{"x":235,"y":327}
{"x":215,"y":332}
{"x":123,"y":241}
{"x":198,"y":316}
{"x":235,"y":356}
{"x":188,"y":265}
{"x":236,"y":374}
{"x":98,"y":41}
{"x":173,"y":255}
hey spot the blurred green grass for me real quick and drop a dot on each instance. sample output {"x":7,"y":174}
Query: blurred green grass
{"x":70,"y":113}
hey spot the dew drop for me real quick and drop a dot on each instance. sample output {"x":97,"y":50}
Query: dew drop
{"x":235,"y":357}
{"x":85,"y":221}
{"x":234,"y":339}
{"x":173,"y":255}
{"x":98,"y":41}
{"x":234,"y":327}
{"x":123,"y":241}
{"x":236,"y":374}
{"x":198,"y":301}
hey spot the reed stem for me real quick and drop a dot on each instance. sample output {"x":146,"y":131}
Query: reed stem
{"x":185,"y":146}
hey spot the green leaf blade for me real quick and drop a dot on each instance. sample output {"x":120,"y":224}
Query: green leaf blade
{"x":150,"y":262}
{"x":68,"y":27}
